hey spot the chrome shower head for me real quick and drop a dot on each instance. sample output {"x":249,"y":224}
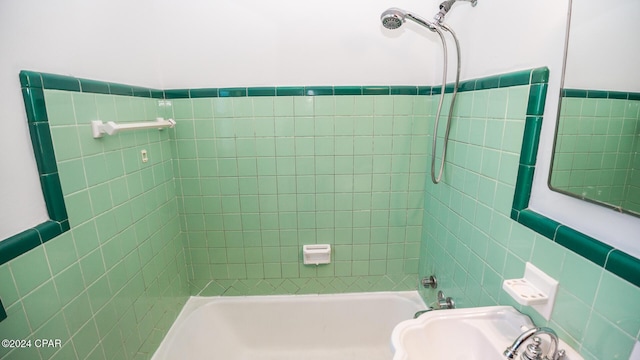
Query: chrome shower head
{"x":393,"y":18}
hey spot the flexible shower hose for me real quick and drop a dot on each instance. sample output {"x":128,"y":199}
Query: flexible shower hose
{"x":436,"y":179}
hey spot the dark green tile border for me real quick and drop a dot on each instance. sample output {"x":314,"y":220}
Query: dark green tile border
{"x":261,"y":91}
{"x":19,"y":244}
{"x":3,"y":314}
{"x":119,"y":89}
{"x":30,"y":79}
{"x":60,"y":82}
{"x":347,"y":90}
{"x":574,"y":93}
{"x":600,"y":94}
{"x":376,"y":90}
{"x":582,"y":244}
{"x":615,"y":261}
{"x":33,"y":84}
{"x":537,"y":98}
{"x":38,"y":80}
{"x":34,"y":104}
{"x":232,"y":92}
{"x":540,"y":75}
{"x":290,"y":91}
{"x":536,"y":76}
{"x":541,"y":224}
{"x":516,"y":78}
{"x":318,"y":90}
{"x":92,"y":86}
{"x":404,"y":90}
{"x":621,"y":263}
{"x":179,"y":94}
{"x":524,"y":181}
{"x":424,"y":90}
{"x":529,"y":149}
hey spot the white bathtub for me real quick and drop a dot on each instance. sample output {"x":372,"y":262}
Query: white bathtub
{"x":328,"y":327}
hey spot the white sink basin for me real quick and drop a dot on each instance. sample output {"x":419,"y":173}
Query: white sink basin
{"x":471,"y":334}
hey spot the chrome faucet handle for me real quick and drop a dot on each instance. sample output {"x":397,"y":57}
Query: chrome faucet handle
{"x":533,"y":351}
{"x":445,"y":302}
{"x":430,"y":281}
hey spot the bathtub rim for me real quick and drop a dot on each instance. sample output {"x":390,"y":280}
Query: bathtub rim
{"x":196,"y":302}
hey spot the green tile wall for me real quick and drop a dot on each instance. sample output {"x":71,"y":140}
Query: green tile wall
{"x":472,"y":245}
{"x":250,"y":175}
{"x":596,"y":147}
{"x":258,"y":177}
{"x":111,"y":286}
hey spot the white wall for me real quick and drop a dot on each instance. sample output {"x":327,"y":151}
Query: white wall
{"x":206,"y":43}
{"x":290,"y":42}
{"x":104,"y":40}
{"x":331,"y":42}
{"x":603,"y":46}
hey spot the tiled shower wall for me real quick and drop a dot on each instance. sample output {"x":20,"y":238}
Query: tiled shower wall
{"x":472,"y":245}
{"x":596,"y":150}
{"x":259,"y":177}
{"x":111,"y":287}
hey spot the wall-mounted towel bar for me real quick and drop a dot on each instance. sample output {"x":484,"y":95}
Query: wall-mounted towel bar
{"x":100,"y":128}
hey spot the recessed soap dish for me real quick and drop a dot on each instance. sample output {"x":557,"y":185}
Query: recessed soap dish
{"x":535,"y":289}
{"x":316,"y":254}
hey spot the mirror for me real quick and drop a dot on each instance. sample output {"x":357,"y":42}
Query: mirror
{"x":597,"y":147}
{"x":598,"y":67}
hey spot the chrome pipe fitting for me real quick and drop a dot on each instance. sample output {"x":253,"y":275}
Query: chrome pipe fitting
{"x":430,"y":281}
{"x":445,"y":302}
{"x":446,"y":5}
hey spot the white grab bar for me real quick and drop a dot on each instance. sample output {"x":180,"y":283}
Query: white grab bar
{"x":100,"y":128}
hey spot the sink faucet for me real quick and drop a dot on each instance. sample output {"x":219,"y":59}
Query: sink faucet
{"x":533,"y":351}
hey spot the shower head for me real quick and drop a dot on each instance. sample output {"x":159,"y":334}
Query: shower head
{"x":393,"y":18}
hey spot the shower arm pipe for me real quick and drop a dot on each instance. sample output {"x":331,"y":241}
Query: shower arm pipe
{"x":436,"y":179}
